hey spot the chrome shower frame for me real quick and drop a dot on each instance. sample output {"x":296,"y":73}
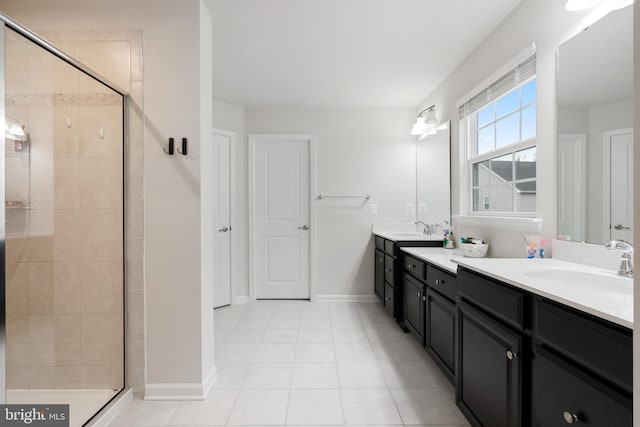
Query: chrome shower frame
{"x":38,"y":40}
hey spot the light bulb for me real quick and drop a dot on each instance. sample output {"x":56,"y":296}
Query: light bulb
{"x":419,"y":126}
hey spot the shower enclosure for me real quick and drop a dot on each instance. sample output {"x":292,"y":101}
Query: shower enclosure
{"x":62,"y":229}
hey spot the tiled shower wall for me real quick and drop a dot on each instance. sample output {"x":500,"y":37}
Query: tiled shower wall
{"x":77,"y":327}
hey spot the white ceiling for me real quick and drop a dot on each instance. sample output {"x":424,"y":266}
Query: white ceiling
{"x":343,"y":53}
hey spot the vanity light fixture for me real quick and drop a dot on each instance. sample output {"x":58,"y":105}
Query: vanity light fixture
{"x":426,"y":119}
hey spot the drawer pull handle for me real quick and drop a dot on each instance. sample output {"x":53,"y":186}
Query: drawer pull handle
{"x":570,"y":417}
{"x":511,"y":355}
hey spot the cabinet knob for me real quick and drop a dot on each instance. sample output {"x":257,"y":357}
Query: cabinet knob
{"x":439,"y":282}
{"x":424,"y":298}
{"x":419,"y":294}
{"x":570,"y":417}
{"x":511,"y":355}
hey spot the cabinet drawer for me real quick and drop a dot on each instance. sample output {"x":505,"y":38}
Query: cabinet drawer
{"x":560,"y":390}
{"x":389,"y":262}
{"x":603,"y":348}
{"x":379,"y":243}
{"x":414,"y":266}
{"x":389,"y":299}
{"x":445,"y":283}
{"x":389,"y":246}
{"x":498,"y":299}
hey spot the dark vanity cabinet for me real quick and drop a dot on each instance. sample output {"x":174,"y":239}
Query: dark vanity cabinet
{"x":388,"y":278}
{"x":379,"y":273}
{"x":582,"y":369}
{"x":441,"y":332}
{"x":490,"y":323}
{"x":524,"y":360}
{"x":430,"y":310}
{"x":414,"y":296}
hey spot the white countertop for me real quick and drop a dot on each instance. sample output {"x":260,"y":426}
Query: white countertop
{"x":437,"y":256}
{"x":592,"y":290}
{"x":408,"y":237}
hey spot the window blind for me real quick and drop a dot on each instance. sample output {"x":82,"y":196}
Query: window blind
{"x":501,"y":86}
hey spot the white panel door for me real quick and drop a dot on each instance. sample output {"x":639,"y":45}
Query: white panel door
{"x":621,"y":189}
{"x":220,"y":163}
{"x":571,"y":190}
{"x":281,"y":217}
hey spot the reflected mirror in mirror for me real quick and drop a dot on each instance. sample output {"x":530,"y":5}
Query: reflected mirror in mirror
{"x":595,"y":132}
{"x":433,"y":175}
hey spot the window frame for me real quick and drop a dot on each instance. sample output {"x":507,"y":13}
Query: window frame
{"x":468,"y":140}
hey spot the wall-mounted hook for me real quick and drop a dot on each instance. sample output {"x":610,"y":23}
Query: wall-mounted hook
{"x":184,"y":147}
{"x":170,"y":152}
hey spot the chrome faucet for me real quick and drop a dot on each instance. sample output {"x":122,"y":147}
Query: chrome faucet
{"x":626,"y":264}
{"x":428,"y":228}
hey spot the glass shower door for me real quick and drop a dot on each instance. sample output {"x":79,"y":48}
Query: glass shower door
{"x":64,"y":257}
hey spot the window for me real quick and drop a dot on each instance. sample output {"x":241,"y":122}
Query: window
{"x":499,"y":129}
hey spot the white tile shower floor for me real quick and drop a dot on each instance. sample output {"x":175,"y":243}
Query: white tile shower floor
{"x":83,"y":404}
{"x":297,"y":363}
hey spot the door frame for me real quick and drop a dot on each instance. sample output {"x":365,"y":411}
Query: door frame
{"x":606,"y":178}
{"x":253,"y":141}
{"x":233,"y":244}
{"x":579,"y":141}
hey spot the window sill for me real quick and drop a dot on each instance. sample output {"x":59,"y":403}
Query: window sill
{"x":502,"y":222}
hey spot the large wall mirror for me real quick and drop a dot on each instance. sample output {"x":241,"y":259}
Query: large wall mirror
{"x":433,"y":174}
{"x":595,"y":132}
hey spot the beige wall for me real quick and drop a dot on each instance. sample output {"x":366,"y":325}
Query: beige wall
{"x":65,"y":247}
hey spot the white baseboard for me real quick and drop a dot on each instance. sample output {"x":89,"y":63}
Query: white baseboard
{"x":181,"y":391}
{"x":347,"y":298}
{"x":243,"y":299}
{"x":114,"y":409}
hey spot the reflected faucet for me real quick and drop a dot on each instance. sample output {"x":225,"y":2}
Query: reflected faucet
{"x":626,"y":264}
{"x":428,"y":228}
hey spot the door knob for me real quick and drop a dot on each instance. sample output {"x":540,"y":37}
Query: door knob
{"x":225,"y":229}
{"x":621,"y":227}
{"x":304,"y":227}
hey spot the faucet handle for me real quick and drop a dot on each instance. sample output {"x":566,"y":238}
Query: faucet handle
{"x":619,"y":244}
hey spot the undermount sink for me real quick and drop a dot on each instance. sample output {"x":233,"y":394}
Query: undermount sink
{"x":611,"y":284}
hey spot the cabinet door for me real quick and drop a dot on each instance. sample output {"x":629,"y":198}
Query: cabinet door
{"x":563,"y":394}
{"x":441,"y":330}
{"x":389,"y":270}
{"x":414,"y":306}
{"x":379,"y":273}
{"x":389,"y":299}
{"x":488,"y":390}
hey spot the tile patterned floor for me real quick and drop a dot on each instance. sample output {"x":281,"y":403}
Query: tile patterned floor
{"x":296,"y":363}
